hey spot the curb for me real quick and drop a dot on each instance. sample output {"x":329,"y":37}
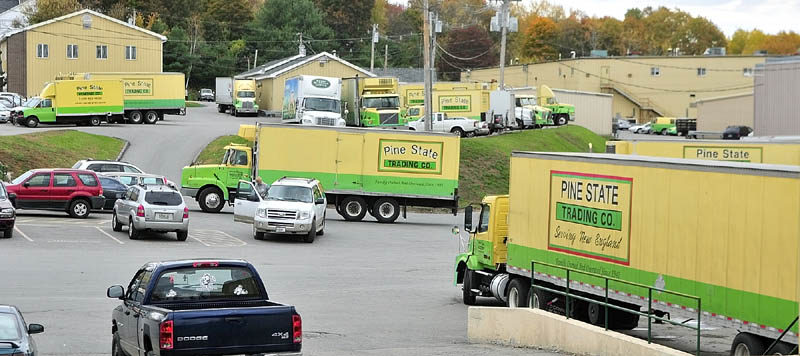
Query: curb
{"x":123,"y":150}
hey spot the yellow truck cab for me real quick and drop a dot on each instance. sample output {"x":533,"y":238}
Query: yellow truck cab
{"x":415,"y":113}
{"x":212,"y":184}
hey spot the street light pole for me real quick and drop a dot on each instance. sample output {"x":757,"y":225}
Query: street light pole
{"x":503,"y":22}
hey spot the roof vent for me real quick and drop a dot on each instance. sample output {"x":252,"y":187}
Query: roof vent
{"x":87,"y":21}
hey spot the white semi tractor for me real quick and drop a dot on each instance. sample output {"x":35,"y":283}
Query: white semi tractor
{"x":313,"y":100}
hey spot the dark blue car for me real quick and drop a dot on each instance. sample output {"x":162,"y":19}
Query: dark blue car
{"x":15,"y":335}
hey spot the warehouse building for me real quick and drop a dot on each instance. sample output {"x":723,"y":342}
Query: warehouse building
{"x":715,"y":114}
{"x":270,"y":77}
{"x":83,"y":41}
{"x":777,"y":107}
{"x":643,"y":87}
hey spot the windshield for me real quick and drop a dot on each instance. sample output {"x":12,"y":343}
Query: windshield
{"x":321,"y":104}
{"x":525,"y":101}
{"x":413,"y":112}
{"x":22,"y":177}
{"x":32,"y":102}
{"x":3,"y":195}
{"x":552,"y":101}
{"x":380,"y":103}
{"x":290,"y":193}
{"x":152,"y":180}
{"x":246,"y":94}
{"x":8,"y":327}
{"x":163,"y":198}
{"x":202,"y":284}
{"x":205,"y":91}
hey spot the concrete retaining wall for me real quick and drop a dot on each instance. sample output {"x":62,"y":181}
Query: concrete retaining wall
{"x":536,"y":328}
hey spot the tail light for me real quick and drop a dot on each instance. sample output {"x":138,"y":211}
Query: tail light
{"x":185,"y":212}
{"x":165,"y":334}
{"x":297,"y":329}
{"x":140,"y":211}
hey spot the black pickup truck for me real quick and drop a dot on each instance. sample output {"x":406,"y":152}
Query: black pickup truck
{"x":194,"y":307}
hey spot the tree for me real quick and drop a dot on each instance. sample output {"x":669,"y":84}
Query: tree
{"x":274,"y":30}
{"x":737,"y":42}
{"x":176,"y":51}
{"x":696,"y":35}
{"x":539,"y":39}
{"x":45,"y":10}
{"x":347,"y":19}
{"x":222,"y":19}
{"x":755,"y":42}
{"x":782,"y":43}
{"x":466,"y":48}
{"x":379,"y":15}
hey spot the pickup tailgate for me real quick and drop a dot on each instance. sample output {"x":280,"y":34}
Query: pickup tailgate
{"x":227,"y":331}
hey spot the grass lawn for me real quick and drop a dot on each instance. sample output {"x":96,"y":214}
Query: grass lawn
{"x":194,"y":104}
{"x":215,"y":150}
{"x":54,"y":149}
{"x":485,"y":161}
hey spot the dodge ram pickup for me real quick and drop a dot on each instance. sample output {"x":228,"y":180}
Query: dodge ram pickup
{"x":194,"y":307}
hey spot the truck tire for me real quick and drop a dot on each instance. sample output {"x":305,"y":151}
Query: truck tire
{"x":211,"y":200}
{"x":182,"y":235}
{"x":115,"y":224}
{"x":79,"y":208}
{"x":95,"y":121}
{"x":518,"y":293}
{"x":386,"y":210}
{"x":312,"y":234}
{"x":541,"y":299}
{"x":620,"y":320}
{"x":233,"y":112}
{"x":151,"y":117}
{"x":32,"y":122}
{"x":135,"y":117}
{"x":781,"y":348}
{"x":353,"y":208}
{"x":561,"y":120}
{"x":468,"y":297}
{"x":8,"y":233}
{"x":220,"y":108}
{"x":596,"y":314}
{"x":458,"y":131}
{"x":133,"y":234}
{"x":747,"y":344}
{"x":259,"y":235}
{"x":663,"y":132}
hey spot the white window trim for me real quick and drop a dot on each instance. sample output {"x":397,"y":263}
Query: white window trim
{"x":43,"y":46}
{"x":748,"y":72}
{"x":68,"y":47}
{"x":135,"y":53}
{"x":703,"y":70}
{"x":106,"y":52}
{"x":653,"y":73}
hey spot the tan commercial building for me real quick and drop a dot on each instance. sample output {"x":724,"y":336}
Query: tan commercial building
{"x":777,"y":103}
{"x":643,"y":87}
{"x":715,"y":114}
{"x":270,"y":77}
{"x":83,"y":41}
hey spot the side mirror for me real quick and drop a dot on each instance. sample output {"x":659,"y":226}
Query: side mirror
{"x":116,"y":292}
{"x":319,"y":201}
{"x":468,"y":218}
{"x":35,"y":329}
{"x":26,"y":184}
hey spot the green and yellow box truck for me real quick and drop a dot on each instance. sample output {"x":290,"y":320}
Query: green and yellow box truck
{"x":371,"y":102}
{"x":468,"y":100}
{"x":147,"y":96}
{"x":759,"y":150}
{"x":362,"y":170}
{"x":236,"y":96}
{"x":727,"y":233}
{"x":81,"y":102}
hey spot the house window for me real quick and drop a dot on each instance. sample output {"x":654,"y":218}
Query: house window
{"x":87,"y":22}
{"x":102,"y":52}
{"x":72,"y":51}
{"x":701,"y":72}
{"x":42,"y":50}
{"x":655,"y":71}
{"x":747,"y":72}
{"x":130,"y":52}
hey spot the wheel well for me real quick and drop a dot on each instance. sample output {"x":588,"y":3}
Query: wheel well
{"x":79,"y":198}
{"x":460,"y":272}
{"x":208,"y":186}
{"x":113,"y":327}
{"x":456,"y":127}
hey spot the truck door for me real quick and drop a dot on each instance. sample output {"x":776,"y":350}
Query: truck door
{"x":349,"y":161}
{"x":482,"y":245}
{"x":48,"y":111}
{"x":238,"y":167}
{"x":128,"y":326}
{"x":247,"y":201}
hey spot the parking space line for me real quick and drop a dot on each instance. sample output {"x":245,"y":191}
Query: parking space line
{"x":102,"y":222}
{"x":226,"y":234}
{"x":200,"y":241}
{"x":23,"y":234}
{"x":109,"y":235}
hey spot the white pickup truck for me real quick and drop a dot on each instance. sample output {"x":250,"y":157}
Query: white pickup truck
{"x":461,"y":126}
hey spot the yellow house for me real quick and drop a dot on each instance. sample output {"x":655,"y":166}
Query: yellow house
{"x":80,"y":42}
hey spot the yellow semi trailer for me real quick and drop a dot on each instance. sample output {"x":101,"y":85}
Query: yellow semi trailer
{"x":765,"y":150}
{"x":470,"y":100}
{"x":726,"y":233}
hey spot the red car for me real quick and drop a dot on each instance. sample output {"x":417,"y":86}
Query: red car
{"x":73,"y":190}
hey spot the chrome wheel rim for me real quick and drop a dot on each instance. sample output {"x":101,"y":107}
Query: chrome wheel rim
{"x":386,"y":210}
{"x":80,"y":209}
{"x":212,"y":200}
{"x":353,"y":208}
{"x":513,"y":294}
{"x":742,"y":350}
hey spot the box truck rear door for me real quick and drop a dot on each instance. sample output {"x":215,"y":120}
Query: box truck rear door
{"x":349,"y":156}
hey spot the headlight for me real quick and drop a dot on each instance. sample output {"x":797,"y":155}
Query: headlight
{"x":261,"y":213}
{"x":7,"y":213}
{"x":305,"y":215}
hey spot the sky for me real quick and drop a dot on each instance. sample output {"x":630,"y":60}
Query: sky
{"x":770,"y":16}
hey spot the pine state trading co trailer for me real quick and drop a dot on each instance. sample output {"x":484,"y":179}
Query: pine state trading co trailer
{"x":757,"y":150}
{"x":723,"y":234}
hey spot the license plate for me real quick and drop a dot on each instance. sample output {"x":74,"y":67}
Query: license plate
{"x":280,"y":229}
{"x":163,"y":216}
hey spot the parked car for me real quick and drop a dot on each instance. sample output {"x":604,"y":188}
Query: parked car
{"x":201,"y":307}
{"x":106,"y":166}
{"x":74,"y":190}
{"x":141,"y":179}
{"x":206,"y":95}
{"x":113,"y":189}
{"x":14,"y":98}
{"x":292,"y":206}
{"x":483,"y":129}
{"x":643,"y":128}
{"x":151,"y":208}
{"x":623,"y":124}
{"x":442,"y":123}
{"x":8,"y":215}
{"x":5,"y":112}
{"x":736,"y":132}
{"x":15,"y":335}
{"x":662,"y":125}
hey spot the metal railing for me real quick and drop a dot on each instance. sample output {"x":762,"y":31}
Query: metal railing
{"x":649,"y":315}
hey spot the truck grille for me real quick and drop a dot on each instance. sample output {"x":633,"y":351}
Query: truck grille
{"x":326,"y":121}
{"x":280,"y":224}
{"x":389,"y":119}
{"x":282,"y":214}
{"x":247,"y":105}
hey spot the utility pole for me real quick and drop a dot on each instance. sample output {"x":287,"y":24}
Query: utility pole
{"x":255,"y":60}
{"x":503,"y":22}
{"x":374,"y":40}
{"x":385,"y":58}
{"x":426,"y":28}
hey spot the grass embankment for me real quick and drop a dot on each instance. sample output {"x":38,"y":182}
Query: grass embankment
{"x":54,"y":149}
{"x":485,"y":162}
{"x":194,"y":104}
{"x":213,"y":153}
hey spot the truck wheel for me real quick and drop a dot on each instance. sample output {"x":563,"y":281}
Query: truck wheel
{"x":353,"y":208}
{"x":32,"y":122}
{"x":518,"y":293}
{"x":747,"y":344}
{"x":386,"y":210}
{"x":620,"y":320}
{"x":133,"y":234}
{"x":663,"y":132}
{"x":596,"y":314}
{"x":95,"y":121}
{"x":79,"y":208}
{"x":541,"y":299}
{"x":312,"y":234}
{"x":469,"y":298}
{"x":220,"y":108}
{"x":781,"y":348}
{"x":135,"y":117}
{"x":8,"y":233}
{"x":561,"y":120}
{"x":258,"y":235}
{"x":115,"y":225}
{"x":151,"y":117}
{"x":458,"y":131}
{"x":233,"y":112}
{"x":182,"y":235}
{"x":210,"y":200}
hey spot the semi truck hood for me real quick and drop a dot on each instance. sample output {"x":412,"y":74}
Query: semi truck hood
{"x":200,"y":171}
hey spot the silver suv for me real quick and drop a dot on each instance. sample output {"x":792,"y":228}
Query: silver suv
{"x":106,"y":166}
{"x":153,"y":208}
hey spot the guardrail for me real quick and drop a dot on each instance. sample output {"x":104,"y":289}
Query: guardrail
{"x":649,"y":315}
